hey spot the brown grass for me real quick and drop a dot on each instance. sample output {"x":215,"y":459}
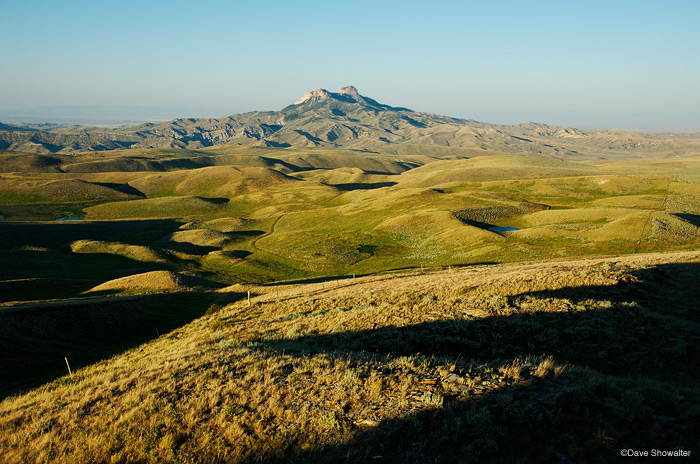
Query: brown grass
{"x":154,"y":281}
{"x":135,"y":252}
{"x":289,"y":376}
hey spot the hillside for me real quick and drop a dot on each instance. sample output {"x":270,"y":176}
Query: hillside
{"x":247,"y":214}
{"x":451,"y":365}
{"x":347,"y":119}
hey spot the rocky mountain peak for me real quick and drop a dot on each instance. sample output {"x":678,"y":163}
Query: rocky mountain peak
{"x":347,"y":94}
{"x":314,"y":96}
{"x":351,"y":91}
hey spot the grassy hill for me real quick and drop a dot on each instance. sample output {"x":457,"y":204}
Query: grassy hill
{"x":293,"y":213}
{"x":442,"y":366}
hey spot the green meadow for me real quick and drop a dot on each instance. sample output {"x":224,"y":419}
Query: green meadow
{"x":320,"y":304}
{"x":260,"y":215}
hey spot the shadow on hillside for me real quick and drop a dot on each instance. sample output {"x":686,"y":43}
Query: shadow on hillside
{"x":310,"y":137}
{"x":694,"y":219}
{"x":271,"y":162}
{"x":271,"y":143}
{"x":413,"y":122}
{"x":201,"y":250}
{"x":315,"y":280}
{"x":47,"y":267}
{"x":311,"y":280}
{"x":669,"y":289}
{"x":185,"y":163}
{"x":35,"y":337}
{"x":242,"y":234}
{"x":362,"y":186}
{"x":123,"y":188}
{"x":37,"y":288}
{"x":53,"y":235}
{"x":216,"y":200}
{"x":236,"y":254}
{"x":189,"y":248}
{"x":647,"y":326}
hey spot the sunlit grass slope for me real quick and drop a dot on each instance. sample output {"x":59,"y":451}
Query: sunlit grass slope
{"x":459,"y":365}
{"x":296,"y":214}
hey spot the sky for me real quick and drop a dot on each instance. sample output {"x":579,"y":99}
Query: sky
{"x":611,"y":64}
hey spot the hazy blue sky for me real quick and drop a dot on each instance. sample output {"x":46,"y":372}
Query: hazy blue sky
{"x":620,"y":63}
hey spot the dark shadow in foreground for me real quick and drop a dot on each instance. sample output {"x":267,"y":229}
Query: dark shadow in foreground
{"x":641,"y":338}
{"x":35,"y":338}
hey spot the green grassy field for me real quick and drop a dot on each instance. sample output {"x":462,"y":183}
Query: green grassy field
{"x":113,"y":258}
{"x":361,"y":209}
{"x":297,"y":213}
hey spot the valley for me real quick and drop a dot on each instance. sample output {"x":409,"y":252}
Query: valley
{"x":291,"y":213}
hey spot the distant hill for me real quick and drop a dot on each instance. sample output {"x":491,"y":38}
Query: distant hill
{"x":343,"y":119}
{"x":7,"y":127}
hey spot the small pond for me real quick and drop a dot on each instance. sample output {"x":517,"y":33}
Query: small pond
{"x":68,"y":219}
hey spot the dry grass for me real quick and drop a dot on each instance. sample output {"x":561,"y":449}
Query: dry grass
{"x":434,"y":365}
{"x":227,"y":224}
{"x":135,"y":252}
{"x":154,"y":281}
{"x":166,"y":207}
{"x":200,"y":237}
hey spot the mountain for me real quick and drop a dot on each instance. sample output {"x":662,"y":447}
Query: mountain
{"x":343,"y":119}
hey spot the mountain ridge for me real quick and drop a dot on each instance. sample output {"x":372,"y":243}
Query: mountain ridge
{"x":341,"y":119}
